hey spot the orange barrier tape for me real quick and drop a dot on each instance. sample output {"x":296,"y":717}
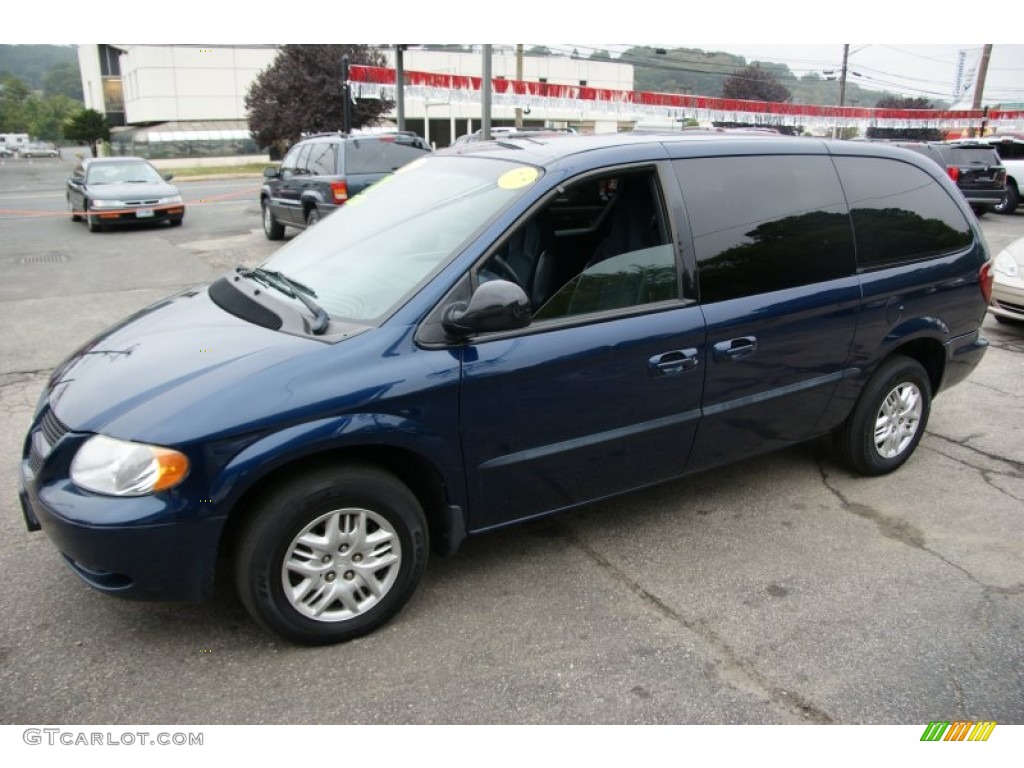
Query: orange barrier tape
{"x":203,"y":201}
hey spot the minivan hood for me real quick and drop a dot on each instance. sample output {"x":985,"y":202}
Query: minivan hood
{"x":181,"y":355}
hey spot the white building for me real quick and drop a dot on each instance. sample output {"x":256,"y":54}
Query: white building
{"x":189,"y":100}
{"x":451,"y":117}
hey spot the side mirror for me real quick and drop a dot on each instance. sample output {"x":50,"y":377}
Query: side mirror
{"x":77,"y":178}
{"x":270,"y":172}
{"x":167,"y":176}
{"x":497,"y":305}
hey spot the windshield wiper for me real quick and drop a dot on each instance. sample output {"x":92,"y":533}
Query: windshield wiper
{"x":292,"y":288}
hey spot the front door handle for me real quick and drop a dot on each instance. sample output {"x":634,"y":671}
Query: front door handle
{"x":671,"y":363}
{"x":734,"y":349}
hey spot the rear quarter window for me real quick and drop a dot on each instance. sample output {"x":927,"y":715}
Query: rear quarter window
{"x":763,"y":224}
{"x":900,"y":213}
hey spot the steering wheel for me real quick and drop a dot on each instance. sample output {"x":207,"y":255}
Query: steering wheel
{"x":505,"y":269}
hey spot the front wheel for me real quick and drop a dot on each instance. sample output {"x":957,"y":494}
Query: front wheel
{"x":889,"y":419}
{"x":332,"y":554}
{"x":272,"y":228}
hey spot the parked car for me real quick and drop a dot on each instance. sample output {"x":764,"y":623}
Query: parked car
{"x":1011,"y":153}
{"x":497,"y":333}
{"x":6,"y":151}
{"x":321,"y":173}
{"x":38,"y":150}
{"x":975,"y":168}
{"x":114,"y":191}
{"x":1008,"y":288}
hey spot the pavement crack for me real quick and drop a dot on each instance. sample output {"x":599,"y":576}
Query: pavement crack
{"x":900,"y":530}
{"x":733,"y":670}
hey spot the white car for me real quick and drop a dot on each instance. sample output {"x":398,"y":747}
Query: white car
{"x":38,"y":150}
{"x":1007,"y":305}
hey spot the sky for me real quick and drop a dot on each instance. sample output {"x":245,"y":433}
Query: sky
{"x":913,"y":53}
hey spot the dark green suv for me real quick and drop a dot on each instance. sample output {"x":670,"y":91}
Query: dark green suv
{"x":322,"y":172}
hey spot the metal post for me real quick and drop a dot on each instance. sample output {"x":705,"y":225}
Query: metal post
{"x":400,"y":85}
{"x":979,"y":87}
{"x":485,"y":95}
{"x":346,"y":95}
{"x":519,"y":76}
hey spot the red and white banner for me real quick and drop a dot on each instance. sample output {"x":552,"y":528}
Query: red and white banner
{"x":379,"y":83}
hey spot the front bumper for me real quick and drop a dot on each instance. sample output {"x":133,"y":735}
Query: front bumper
{"x":1007,"y":298}
{"x":137,"y":215}
{"x":146,"y":547}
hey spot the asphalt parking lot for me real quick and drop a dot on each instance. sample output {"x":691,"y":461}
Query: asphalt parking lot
{"x":780,"y":590}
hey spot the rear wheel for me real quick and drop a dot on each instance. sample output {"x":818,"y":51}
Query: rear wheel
{"x":312,"y":216}
{"x":272,"y":228}
{"x":889,"y":419}
{"x":332,"y":554}
{"x":1009,"y":202}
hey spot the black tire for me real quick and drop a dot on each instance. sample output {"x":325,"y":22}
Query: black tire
{"x":272,"y":228}
{"x":979,"y":210}
{"x":1009,"y":202}
{"x":176,"y":222}
{"x":91,"y":221}
{"x":312,"y":217}
{"x":896,"y":401}
{"x":1008,"y":320}
{"x":329,"y":572}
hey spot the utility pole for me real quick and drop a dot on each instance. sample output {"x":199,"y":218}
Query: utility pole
{"x":346,"y":95}
{"x":485,"y":95}
{"x":519,"y":77}
{"x":842,"y":85}
{"x":400,"y":85}
{"x":979,"y":86}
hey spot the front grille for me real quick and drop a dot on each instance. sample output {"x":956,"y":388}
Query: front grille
{"x":51,"y":430}
{"x":1018,"y":308}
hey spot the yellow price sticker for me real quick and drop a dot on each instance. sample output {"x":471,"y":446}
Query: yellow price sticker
{"x":518,"y":178}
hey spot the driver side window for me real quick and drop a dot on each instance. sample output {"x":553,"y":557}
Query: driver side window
{"x":600,"y":244}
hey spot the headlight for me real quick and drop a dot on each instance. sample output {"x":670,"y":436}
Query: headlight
{"x":121,"y":468}
{"x":169,"y":200}
{"x":1005,"y":264}
{"x":106,"y":203}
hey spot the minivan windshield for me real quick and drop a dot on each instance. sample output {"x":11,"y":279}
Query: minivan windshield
{"x":363,"y":261}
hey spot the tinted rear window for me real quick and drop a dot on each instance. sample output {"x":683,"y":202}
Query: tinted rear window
{"x":900,"y":213}
{"x":378,"y":156}
{"x":974,"y":156}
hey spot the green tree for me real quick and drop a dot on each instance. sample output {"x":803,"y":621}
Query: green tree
{"x":301,"y":92}
{"x":64,"y":80}
{"x":87,"y":127}
{"x":538,"y":50}
{"x":756,"y":84}
{"x":602,"y":55}
{"x":905,"y":134}
{"x":14,"y":106}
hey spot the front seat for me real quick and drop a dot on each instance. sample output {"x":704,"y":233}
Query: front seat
{"x":634,"y":221}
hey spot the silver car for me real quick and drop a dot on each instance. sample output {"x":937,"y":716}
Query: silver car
{"x":1007,"y":305}
{"x":38,"y":150}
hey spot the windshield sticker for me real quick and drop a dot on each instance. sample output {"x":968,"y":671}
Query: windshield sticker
{"x":518,"y":178}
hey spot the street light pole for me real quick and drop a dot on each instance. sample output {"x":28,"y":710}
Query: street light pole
{"x":346,"y":95}
{"x":485,"y":87}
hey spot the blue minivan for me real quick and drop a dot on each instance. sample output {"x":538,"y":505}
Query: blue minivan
{"x":498,"y":332}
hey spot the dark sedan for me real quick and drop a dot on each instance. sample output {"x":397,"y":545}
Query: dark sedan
{"x":110,"y":191}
